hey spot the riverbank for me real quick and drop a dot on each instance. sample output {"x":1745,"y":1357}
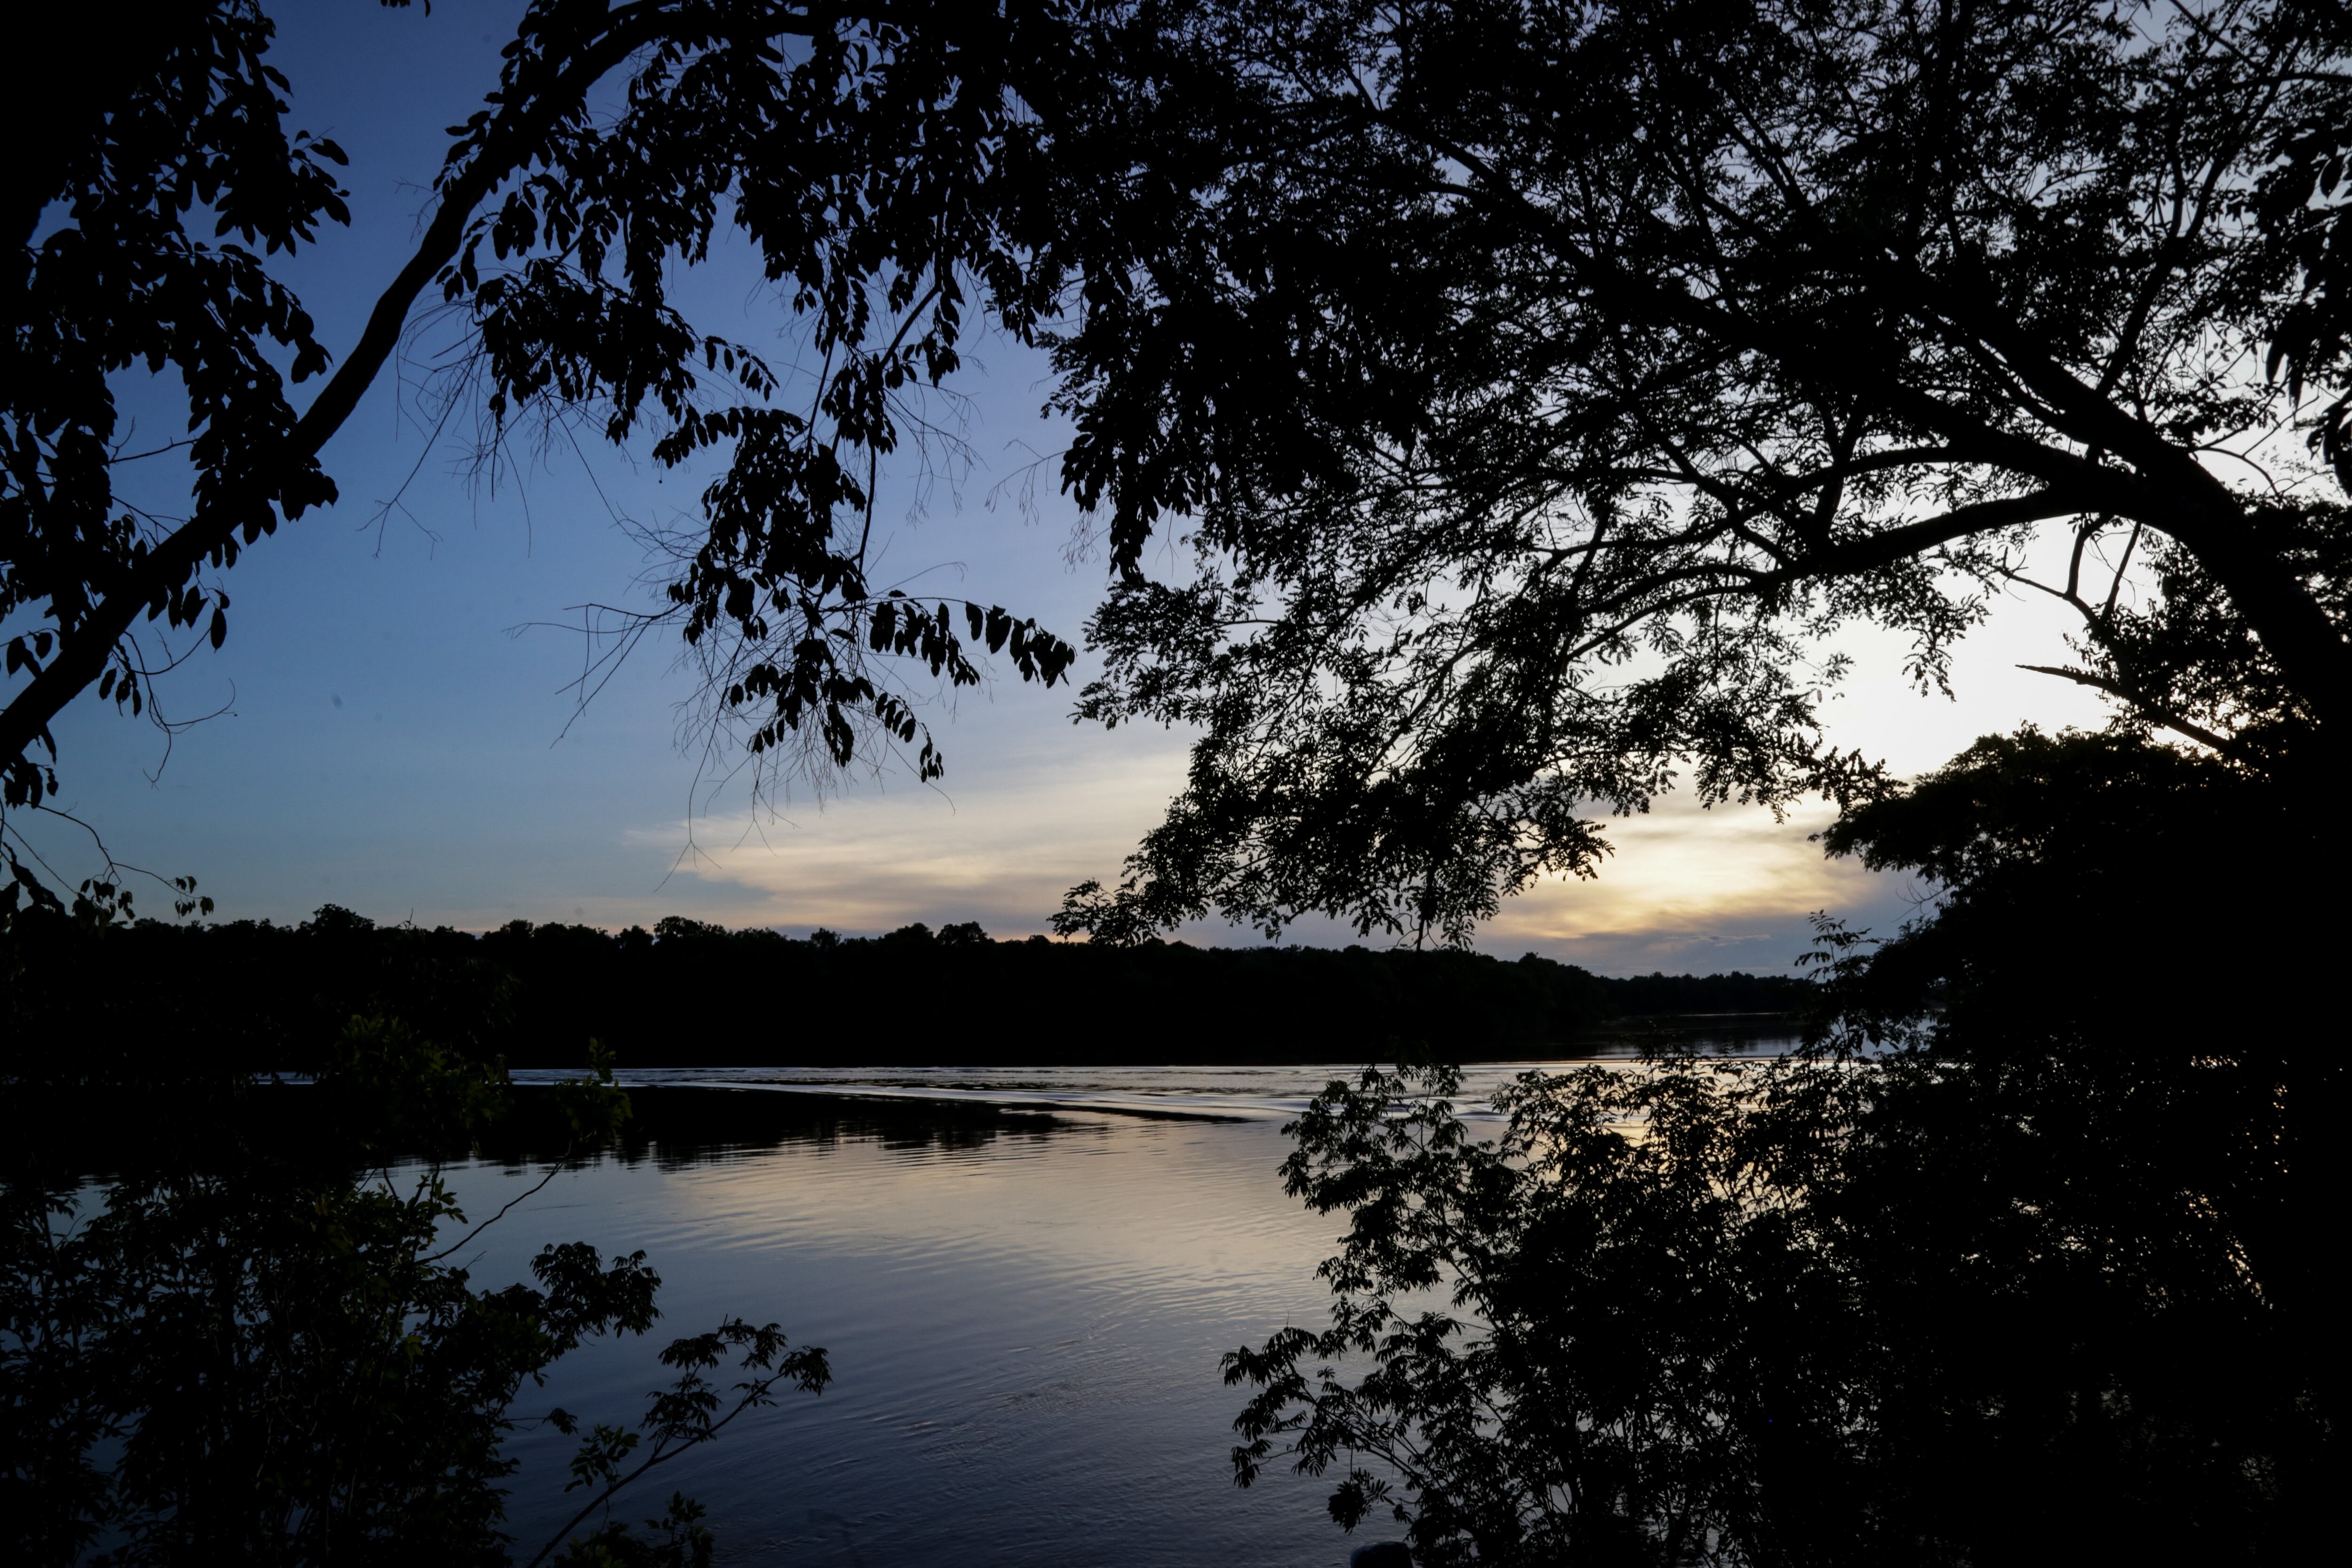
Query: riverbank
{"x":157,"y":1002}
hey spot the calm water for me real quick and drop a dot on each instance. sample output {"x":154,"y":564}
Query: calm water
{"x":1024,"y":1318}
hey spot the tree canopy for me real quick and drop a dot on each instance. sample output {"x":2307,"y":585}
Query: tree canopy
{"x":1546,"y":383}
{"x":2015,"y":1261}
{"x":158,"y":1001}
{"x":877,"y":164}
{"x":1528,"y":390}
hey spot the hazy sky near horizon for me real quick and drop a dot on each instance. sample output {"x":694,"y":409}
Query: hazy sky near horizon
{"x":397,"y":730}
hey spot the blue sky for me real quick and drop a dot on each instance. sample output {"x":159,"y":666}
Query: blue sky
{"x":397,"y":731}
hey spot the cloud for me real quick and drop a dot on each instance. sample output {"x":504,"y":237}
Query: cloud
{"x":1690,"y":887}
{"x":1000,"y":851}
{"x":1687,"y":888}
{"x":1681,"y":863}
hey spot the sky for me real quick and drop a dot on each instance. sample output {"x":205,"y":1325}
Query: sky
{"x":395,"y":725}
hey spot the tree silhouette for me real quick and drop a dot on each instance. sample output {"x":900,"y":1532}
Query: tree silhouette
{"x":1545,"y":384}
{"x":1540,"y":387}
{"x":872,"y":162}
{"x":2014,"y":1260}
{"x":249,"y":1333}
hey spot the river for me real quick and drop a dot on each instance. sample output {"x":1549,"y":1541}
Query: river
{"x":1024,"y":1278}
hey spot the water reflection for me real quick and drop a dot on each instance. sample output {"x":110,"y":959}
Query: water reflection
{"x":676,"y":1126}
{"x":1025,"y":1309}
{"x":1262,"y":1093}
{"x":1025,"y":1276}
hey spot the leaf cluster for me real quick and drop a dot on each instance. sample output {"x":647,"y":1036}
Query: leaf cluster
{"x":1540,"y":387}
{"x":255,"y":1347}
{"x":2013,"y":1260}
{"x":874,"y":167}
{"x":880,"y":166}
{"x":1517,"y":395}
{"x":1822,"y":1311}
{"x":178,"y":127}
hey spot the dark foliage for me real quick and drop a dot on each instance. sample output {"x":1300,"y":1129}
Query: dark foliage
{"x":879,"y":166}
{"x":2159,"y":1015}
{"x":246,"y":1342}
{"x":2027,"y":1258}
{"x":155,"y":1001}
{"x":1804,"y":1315}
{"x":1542,"y":383}
{"x":1524,"y":392}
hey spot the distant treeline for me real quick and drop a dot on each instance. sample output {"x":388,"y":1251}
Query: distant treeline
{"x":250,"y":995}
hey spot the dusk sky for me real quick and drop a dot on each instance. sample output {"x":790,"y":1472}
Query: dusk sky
{"x":392,"y":734}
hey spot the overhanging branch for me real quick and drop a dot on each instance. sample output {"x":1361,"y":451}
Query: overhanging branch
{"x":2224,"y":745}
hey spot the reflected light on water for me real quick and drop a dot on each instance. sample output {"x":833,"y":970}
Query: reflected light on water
{"x":1025,"y":1314}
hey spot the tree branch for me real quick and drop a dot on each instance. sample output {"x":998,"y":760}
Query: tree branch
{"x":2224,"y":745}
{"x":83,"y":651}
